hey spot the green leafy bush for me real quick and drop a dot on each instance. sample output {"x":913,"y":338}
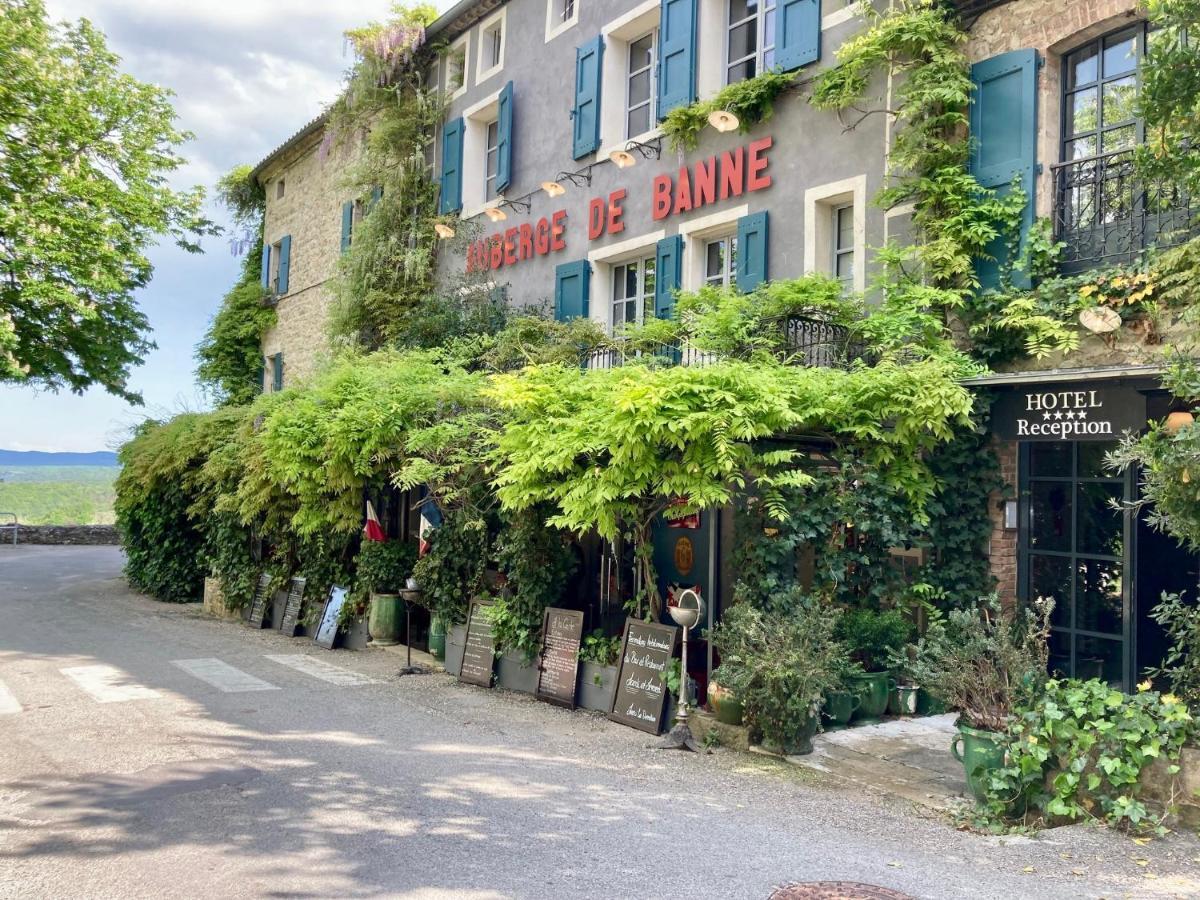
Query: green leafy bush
{"x":383,"y":567}
{"x":452,"y":572}
{"x":1180,"y":621}
{"x":751,"y":100}
{"x":601,"y":649}
{"x":874,"y":636}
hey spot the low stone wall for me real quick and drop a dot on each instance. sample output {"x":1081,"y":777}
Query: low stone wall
{"x":1178,"y":793}
{"x":63,"y":534}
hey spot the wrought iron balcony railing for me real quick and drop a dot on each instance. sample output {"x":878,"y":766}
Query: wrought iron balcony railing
{"x":1106,"y":215}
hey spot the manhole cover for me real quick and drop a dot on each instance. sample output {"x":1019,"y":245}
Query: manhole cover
{"x":835,"y":890}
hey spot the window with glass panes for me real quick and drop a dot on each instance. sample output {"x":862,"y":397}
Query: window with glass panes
{"x":633,"y":286}
{"x":750,"y":46}
{"x":720,"y":261}
{"x":1100,"y":85}
{"x":639,"y":103}
{"x":493,"y":45}
{"x":566,"y":10}
{"x":843,"y":245}
{"x":491,"y":160}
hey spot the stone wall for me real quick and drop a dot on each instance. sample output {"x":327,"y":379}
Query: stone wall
{"x":63,"y":534}
{"x":1002,"y":546}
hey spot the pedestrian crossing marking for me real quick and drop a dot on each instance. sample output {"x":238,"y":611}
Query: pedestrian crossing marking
{"x":318,"y":668}
{"x":108,"y":684}
{"x":8,"y":703}
{"x":223,"y":676}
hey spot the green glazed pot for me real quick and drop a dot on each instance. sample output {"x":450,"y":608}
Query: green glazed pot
{"x":840,"y":706}
{"x":727,"y":709}
{"x":979,"y":752}
{"x":800,"y":744}
{"x":386,"y":619}
{"x":902,"y":701}
{"x":872,"y":690}
{"x":929,"y":705}
{"x":437,"y":638}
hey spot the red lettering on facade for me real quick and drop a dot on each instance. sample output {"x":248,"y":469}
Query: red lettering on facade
{"x":683,"y":191}
{"x":755,"y":179}
{"x":731,"y":173}
{"x":705,"y":189}
{"x":557,"y":229}
{"x":661,"y":197}
{"x":541,"y":240}
{"x":526,"y":241}
{"x":497,"y":254}
{"x":595,"y":218}
{"x":616,"y":209}
{"x":510,"y":246}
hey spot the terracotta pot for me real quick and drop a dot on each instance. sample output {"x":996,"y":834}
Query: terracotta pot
{"x":727,"y":708}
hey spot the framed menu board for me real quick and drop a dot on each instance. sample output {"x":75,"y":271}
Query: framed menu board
{"x":640,"y":698}
{"x":562,"y":631}
{"x":260,"y":608}
{"x":479,"y":654}
{"x":291,"y":610}
{"x":327,"y":628}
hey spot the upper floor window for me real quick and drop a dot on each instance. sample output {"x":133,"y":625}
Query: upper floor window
{"x":1100,"y":86}
{"x":491,"y":46}
{"x":843,"y":245}
{"x":633,"y":287}
{"x":491,"y":160}
{"x":640,"y":92}
{"x":720,"y":261}
{"x":560,"y":15}
{"x":456,"y":68}
{"x":280,"y":188}
{"x":750,"y":43}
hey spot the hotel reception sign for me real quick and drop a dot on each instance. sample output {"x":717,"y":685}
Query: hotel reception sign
{"x":1073,"y":412}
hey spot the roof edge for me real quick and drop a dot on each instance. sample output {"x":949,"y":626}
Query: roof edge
{"x":311,"y":128}
{"x":1049,"y":376}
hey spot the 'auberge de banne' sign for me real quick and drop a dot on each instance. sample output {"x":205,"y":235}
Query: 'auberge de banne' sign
{"x":1056,"y":412}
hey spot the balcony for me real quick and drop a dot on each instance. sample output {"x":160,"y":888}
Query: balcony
{"x":1105,"y":215}
{"x":805,"y":342}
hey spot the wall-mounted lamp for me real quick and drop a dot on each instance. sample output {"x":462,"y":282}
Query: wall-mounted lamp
{"x":553,"y":188}
{"x":723,"y":120}
{"x":623,"y":158}
{"x":443,"y":230}
{"x":495,"y":213}
{"x":520,"y":206}
{"x":1010,"y":515}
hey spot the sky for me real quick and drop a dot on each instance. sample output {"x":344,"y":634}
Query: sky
{"x":247,"y":74}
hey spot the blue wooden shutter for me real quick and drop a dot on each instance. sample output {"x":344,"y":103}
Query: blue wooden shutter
{"x":586,"y":114}
{"x":677,"y":54}
{"x":504,"y":138}
{"x":571,"y":283}
{"x":347,"y":224}
{"x":668,"y":274}
{"x":266,"y":267}
{"x":452,"y":157}
{"x":285,"y":262}
{"x":798,"y":31}
{"x":752,"y":238}
{"x":1004,"y":144}
{"x":277,"y":372}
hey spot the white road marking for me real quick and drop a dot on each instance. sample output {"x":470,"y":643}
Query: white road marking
{"x":318,"y":668}
{"x":8,"y":703}
{"x":108,"y":684}
{"x":223,"y":676}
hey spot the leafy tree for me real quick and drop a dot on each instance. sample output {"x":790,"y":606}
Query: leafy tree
{"x":1169,"y":97}
{"x":85,"y":152}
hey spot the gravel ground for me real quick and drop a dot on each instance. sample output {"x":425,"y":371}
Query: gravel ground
{"x":421,"y":787}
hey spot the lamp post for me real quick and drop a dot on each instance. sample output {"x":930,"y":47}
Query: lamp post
{"x":411,"y":594}
{"x":686,"y":613}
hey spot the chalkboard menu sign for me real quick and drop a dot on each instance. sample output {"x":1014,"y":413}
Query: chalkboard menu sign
{"x":260,"y":608}
{"x":291,"y":610}
{"x":327,"y":628}
{"x":641,"y":693}
{"x":562,"y":630}
{"x":479,"y":655}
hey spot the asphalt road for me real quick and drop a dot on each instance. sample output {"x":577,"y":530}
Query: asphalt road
{"x":148,"y":751}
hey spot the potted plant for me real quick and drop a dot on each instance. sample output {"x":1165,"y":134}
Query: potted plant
{"x":598,"y":655}
{"x":723,"y":703}
{"x":781,"y":665}
{"x":873,"y":636}
{"x":843,"y":701}
{"x":983,"y":661}
{"x":383,"y":569}
{"x":352,"y":622}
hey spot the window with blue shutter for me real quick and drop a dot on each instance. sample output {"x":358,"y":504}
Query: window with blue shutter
{"x":266,"y":267}
{"x":347,"y":224}
{"x":277,"y":372}
{"x":798,"y":33}
{"x":752,"y":240}
{"x":285,"y":263}
{"x":677,"y":54}
{"x":668,"y":275}
{"x":571,"y":286}
{"x":504,"y":138}
{"x":586,"y":114}
{"x":452,"y":161}
{"x":1004,"y":145}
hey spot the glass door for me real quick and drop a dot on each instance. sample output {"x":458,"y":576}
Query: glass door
{"x":1075,"y":539}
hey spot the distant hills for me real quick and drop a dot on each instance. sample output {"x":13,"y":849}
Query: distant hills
{"x":42,"y":458}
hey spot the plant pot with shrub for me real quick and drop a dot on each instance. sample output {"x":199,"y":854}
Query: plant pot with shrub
{"x":352,"y":623}
{"x":723,"y":703}
{"x":873,"y":637}
{"x":781,"y":665}
{"x":598,"y":654}
{"x":384,"y":567}
{"x":983,"y":661}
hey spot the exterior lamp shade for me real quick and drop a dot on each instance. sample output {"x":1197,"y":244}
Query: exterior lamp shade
{"x":723,"y":120}
{"x":688,"y":609}
{"x":443,"y":230}
{"x":623,"y":159}
{"x":495,"y":213}
{"x":1179,"y":419}
{"x":553,"y":188}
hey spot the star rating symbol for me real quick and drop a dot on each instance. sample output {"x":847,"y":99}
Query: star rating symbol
{"x":1081,"y":414}
{"x":1070,"y":415}
{"x":1046,"y":416}
{"x":1058,"y":416}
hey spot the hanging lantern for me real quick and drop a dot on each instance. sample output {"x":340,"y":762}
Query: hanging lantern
{"x":723,"y":120}
{"x":1180,"y":418}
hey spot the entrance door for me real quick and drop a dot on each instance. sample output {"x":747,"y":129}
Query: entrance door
{"x":1075,"y":543}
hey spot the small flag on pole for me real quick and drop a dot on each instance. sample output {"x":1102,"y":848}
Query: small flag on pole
{"x":431,"y":518}
{"x":372,"y":531}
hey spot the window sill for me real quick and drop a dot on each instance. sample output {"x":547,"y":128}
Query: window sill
{"x":561,"y":28}
{"x":495,"y":70}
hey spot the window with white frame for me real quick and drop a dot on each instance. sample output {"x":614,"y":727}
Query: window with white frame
{"x":750,"y":41}
{"x":560,"y":15}
{"x":491,"y":160}
{"x":842,"y":233}
{"x":273,"y":266}
{"x":491,"y":46}
{"x":632,"y":290}
{"x":720,"y":261}
{"x":640,"y":87}
{"x":456,"y":68}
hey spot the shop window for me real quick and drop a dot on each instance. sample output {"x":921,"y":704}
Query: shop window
{"x":842,"y":228}
{"x":560,"y":15}
{"x":640,"y":85}
{"x":720,"y":261}
{"x":456,"y":67}
{"x":491,"y":46}
{"x":750,"y":39}
{"x":491,"y":160}
{"x":632,"y":289}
